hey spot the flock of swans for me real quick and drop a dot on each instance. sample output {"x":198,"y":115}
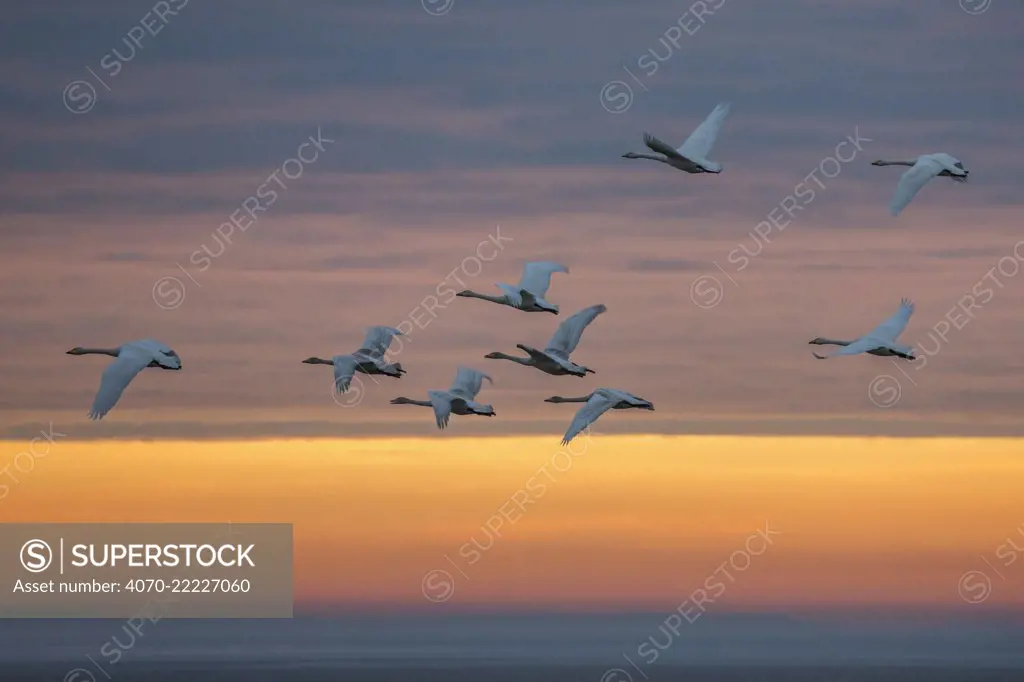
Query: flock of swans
{"x":529,"y":296}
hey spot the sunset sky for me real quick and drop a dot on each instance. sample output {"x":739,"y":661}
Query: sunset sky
{"x":436,"y":131}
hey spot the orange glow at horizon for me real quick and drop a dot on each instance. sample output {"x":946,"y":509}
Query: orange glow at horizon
{"x":628,"y":522}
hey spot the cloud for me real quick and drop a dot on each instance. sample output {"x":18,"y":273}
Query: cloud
{"x":448,"y":127}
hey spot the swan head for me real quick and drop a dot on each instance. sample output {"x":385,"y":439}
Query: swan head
{"x":629,"y":155}
{"x":555,"y":399}
{"x":77,"y":350}
{"x":817,"y":341}
{"x":313,"y":361}
{"x":400,"y":401}
{"x":464,"y":292}
{"x":878,"y":163}
{"x":494,"y":356}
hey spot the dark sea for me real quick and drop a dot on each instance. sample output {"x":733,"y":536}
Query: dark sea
{"x":519,"y":648}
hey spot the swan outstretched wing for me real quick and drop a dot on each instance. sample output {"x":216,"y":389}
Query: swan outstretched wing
{"x":568,"y":334}
{"x":344,"y":370}
{"x":131,"y":360}
{"x":537,"y":276}
{"x":442,"y":404}
{"x":657,"y":145}
{"x":378,"y":340}
{"x":624,"y":396}
{"x":599,"y":403}
{"x":894,"y":326}
{"x":911,"y":182}
{"x":468,"y":382}
{"x":698,"y":145}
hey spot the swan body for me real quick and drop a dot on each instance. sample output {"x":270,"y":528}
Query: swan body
{"x":922,"y":170}
{"x":132,"y":358}
{"x":554,"y":359}
{"x":529,"y":294}
{"x":369,"y":359}
{"x":597,"y":403}
{"x":692,"y":155}
{"x":879,"y":341}
{"x":459,"y":399}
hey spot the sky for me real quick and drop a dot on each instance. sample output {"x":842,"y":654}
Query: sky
{"x":613,"y":523}
{"x":396,"y":152}
{"x":455,"y":141}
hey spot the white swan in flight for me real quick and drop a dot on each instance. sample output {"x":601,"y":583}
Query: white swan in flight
{"x":692,"y":156}
{"x":369,"y":359}
{"x":922,"y":169}
{"x":459,"y":399}
{"x":529,"y":294}
{"x":555,"y":358}
{"x":132,"y":358}
{"x":597,"y":403}
{"x":879,"y":341}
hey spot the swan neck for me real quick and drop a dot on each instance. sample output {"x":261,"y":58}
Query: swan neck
{"x":113,"y":352}
{"x":485,"y":297}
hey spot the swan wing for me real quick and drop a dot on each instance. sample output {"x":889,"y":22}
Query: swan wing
{"x":344,"y":370}
{"x":625,"y":396}
{"x":911,"y":182}
{"x":160,"y":353}
{"x":441,"y":401}
{"x":537,"y":276}
{"x":568,"y":334}
{"x":894,"y":326}
{"x":131,"y":360}
{"x":378,"y":340}
{"x":468,"y":382}
{"x":657,"y":145}
{"x":600,"y":402}
{"x":951,"y":163}
{"x":512,"y":294}
{"x":698,"y":145}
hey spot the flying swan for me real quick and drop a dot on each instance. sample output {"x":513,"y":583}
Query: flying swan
{"x":132,"y":358}
{"x":528,"y":295}
{"x":555,"y":358}
{"x":369,"y":359}
{"x":597,"y":403}
{"x":922,"y":169}
{"x":879,"y":341}
{"x":692,"y":156}
{"x":459,"y":399}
